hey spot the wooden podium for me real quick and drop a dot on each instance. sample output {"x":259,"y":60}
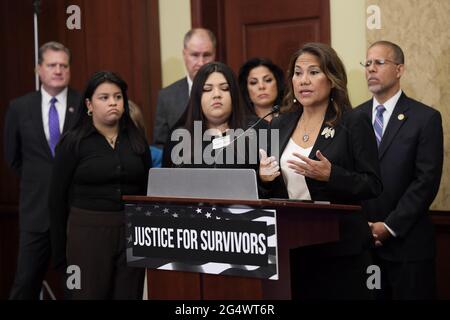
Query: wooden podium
{"x":298,"y":224}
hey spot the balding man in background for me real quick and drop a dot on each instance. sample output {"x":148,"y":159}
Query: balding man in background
{"x":410,"y":145}
{"x":199,"y":49}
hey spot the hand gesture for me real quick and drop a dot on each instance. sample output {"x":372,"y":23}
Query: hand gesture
{"x":268,"y":167}
{"x":314,"y":169}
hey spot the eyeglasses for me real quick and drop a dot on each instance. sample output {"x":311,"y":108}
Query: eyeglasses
{"x":377,"y":62}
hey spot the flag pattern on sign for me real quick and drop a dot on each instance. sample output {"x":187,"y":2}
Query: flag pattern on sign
{"x":217,"y":213}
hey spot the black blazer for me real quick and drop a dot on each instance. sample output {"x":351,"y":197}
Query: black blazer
{"x":27,"y":152}
{"x":354,"y":172}
{"x":411,"y":157}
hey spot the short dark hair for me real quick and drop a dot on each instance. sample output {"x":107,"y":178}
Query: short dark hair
{"x":54,"y":46}
{"x":244,"y":71}
{"x":193,"y":31}
{"x":332,"y":66}
{"x":194,"y":109}
{"x":399,"y":56}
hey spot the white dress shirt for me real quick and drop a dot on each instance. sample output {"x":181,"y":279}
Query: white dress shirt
{"x":295,"y":183}
{"x":189,"y":85}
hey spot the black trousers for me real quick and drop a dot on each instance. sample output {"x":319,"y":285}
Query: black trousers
{"x":32,"y":264}
{"x":325,"y":277}
{"x":96,"y":245}
{"x":406,"y":280}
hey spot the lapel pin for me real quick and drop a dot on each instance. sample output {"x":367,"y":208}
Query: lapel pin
{"x":401,"y":116}
{"x":71,"y":109}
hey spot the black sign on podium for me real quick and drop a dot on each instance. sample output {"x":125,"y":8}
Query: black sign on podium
{"x":237,"y":241}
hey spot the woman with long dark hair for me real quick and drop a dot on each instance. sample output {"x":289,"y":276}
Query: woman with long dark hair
{"x":209,"y":124}
{"x":104,"y":157}
{"x":327,"y":153}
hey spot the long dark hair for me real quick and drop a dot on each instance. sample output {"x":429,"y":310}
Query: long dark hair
{"x":244,"y":71}
{"x":332,"y":66}
{"x":194,"y":109}
{"x":84,"y":124}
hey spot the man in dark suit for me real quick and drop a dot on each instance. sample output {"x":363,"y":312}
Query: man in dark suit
{"x":410,"y":139}
{"x":199,"y":49}
{"x":33,"y":125}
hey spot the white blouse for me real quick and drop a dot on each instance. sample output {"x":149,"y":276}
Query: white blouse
{"x":295,"y":183}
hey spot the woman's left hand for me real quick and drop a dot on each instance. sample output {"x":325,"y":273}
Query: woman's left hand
{"x":317,"y":170}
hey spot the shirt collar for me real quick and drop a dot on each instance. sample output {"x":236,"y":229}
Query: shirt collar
{"x":61,"y":97}
{"x":389,"y":104}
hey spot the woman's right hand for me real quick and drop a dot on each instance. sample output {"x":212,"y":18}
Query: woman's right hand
{"x":268,"y":167}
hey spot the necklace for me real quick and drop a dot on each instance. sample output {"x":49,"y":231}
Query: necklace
{"x":111,"y":140}
{"x":305,"y":136}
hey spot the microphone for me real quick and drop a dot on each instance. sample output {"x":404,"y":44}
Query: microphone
{"x":37,"y":6}
{"x":275,"y":109}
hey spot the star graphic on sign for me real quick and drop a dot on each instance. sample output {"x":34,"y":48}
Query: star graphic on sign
{"x":166,"y":210}
{"x":198,"y":210}
{"x":148,"y":213}
{"x":208,"y":215}
{"x":175,"y":215}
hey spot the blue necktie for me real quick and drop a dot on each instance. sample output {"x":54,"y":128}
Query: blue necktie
{"x":53,"y":125}
{"x":378,"y":123}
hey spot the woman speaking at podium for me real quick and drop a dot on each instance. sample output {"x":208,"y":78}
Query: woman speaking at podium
{"x":327,"y":153}
{"x":104,"y":157}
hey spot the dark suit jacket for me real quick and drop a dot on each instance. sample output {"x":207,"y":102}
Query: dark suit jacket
{"x":411,"y":156}
{"x":27,"y":152}
{"x":172,"y":102}
{"x":354,"y":173}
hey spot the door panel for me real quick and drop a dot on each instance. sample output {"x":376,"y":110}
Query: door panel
{"x":270,"y":28}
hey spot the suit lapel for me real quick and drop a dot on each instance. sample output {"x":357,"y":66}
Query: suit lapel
{"x":72,"y":105}
{"x":366,"y":107}
{"x":36,"y":115}
{"x":185,"y":92}
{"x":322,"y":142}
{"x":396,"y":121}
{"x":287,"y":127}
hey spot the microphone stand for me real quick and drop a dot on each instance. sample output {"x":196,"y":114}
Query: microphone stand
{"x":275,"y":109}
{"x":37,"y":11}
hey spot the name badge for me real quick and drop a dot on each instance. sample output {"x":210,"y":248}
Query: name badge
{"x":221,"y":142}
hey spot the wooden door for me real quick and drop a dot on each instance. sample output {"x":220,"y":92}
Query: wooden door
{"x":273,"y":29}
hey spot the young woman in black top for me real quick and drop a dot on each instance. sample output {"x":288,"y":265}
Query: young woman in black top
{"x":104,"y":157}
{"x":204,"y":135}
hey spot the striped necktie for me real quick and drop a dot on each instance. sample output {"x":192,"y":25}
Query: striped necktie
{"x":378,"y":123}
